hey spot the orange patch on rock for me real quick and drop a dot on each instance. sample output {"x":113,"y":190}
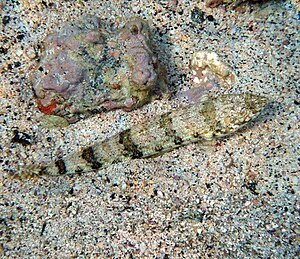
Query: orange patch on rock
{"x":46,"y":109}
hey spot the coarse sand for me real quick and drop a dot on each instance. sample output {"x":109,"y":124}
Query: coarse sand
{"x":236,"y":197}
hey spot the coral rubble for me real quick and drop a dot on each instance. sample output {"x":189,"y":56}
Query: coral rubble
{"x":208,"y":69}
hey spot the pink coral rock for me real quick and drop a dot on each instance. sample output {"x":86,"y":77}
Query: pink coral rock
{"x":86,"y":69}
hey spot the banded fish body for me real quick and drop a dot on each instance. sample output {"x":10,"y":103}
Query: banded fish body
{"x":212,"y":117}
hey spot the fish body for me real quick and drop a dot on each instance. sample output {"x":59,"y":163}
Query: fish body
{"x":212,"y":117}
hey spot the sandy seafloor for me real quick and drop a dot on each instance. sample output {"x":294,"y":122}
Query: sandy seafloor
{"x":233,"y":198}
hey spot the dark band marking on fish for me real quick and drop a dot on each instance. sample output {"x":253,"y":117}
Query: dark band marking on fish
{"x":89,"y":156}
{"x":167,"y":124}
{"x":130,"y":148}
{"x":60,"y":164}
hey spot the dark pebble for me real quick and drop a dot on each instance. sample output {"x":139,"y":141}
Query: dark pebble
{"x":197,"y":15}
{"x":5,"y":20}
{"x":22,"y":138}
